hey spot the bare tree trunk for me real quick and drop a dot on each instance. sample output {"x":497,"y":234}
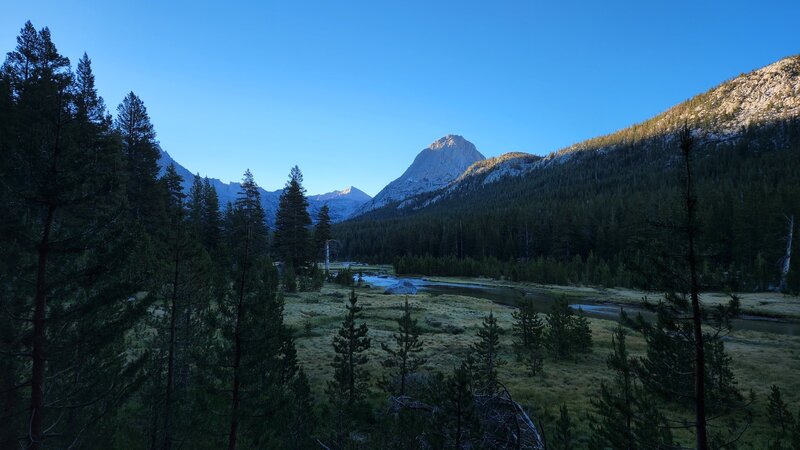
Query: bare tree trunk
{"x":787,"y":257}
{"x":694,"y":287}
{"x":327,"y":256}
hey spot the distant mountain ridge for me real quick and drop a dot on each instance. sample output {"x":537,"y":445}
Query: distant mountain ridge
{"x":342,"y":204}
{"x":762,"y":96}
{"x":433,"y":168}
{"x":585,"y":214}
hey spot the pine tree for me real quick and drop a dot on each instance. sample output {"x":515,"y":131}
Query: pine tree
{"x":562,"y":434}
{"x":89,"y":107}
{"x":302,"y":426}
{"x":212,"y":219}
{"x":256,"y":347}
{"x":458,"y":425}
{"x":614,"y":404}
{"x":196,"y":206}
{"x":249,"y":227}
{"x":21,"y":64}
{"x":628,"y":418}
{"x":528,"y":331}
{"x":405,"y":359}
{"x":322,"y":231}
{"x":559,"y":329}
{"x":487,"y":354}
{"x":581,"y":334}
{"x":691,"y":230}
{"x":292,"y":222}
{"x":778,"y":411}
{"x":651,"y":429}
{"x":184,"y":297}
{"x":62,"y":195}
{"x":142,"y":152}
{"x":348,"y":388}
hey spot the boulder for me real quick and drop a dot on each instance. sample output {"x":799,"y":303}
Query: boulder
{"x":401,"y":288}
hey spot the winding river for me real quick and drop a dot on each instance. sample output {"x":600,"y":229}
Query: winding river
{"x":508,"y":296}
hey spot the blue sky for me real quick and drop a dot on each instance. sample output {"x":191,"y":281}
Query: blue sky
{"x":352,"y":91}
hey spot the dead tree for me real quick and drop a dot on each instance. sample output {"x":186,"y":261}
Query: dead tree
{"x":787,"y":257}
{"x":691,"y":231}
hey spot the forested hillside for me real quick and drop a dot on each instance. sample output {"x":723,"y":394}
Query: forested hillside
{"x":579,"y":215}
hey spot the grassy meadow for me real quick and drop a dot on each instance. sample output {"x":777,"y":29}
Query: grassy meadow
{"x":450,"y":322}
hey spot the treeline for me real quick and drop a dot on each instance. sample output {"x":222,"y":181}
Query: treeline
{"x":134,"y":315}
{"x":539,"y":270}
{"x":587,"y":219}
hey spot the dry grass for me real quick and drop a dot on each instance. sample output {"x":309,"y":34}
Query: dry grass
{"x":450,"y":322}
{"x":767,"y":304}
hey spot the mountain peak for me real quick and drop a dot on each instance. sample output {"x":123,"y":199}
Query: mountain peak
{"x":433,"y":168}
{"x":350,"y":193}
{"x":451,"y":141}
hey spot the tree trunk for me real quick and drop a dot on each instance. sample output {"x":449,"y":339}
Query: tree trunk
{"x":694,"y":287}
{"x":171,"y":355}
{"x":237,"y":350}
{"x":36,"y":431}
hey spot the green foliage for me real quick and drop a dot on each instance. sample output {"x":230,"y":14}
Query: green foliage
{"x":529,"y":332}
{"x":302,"y":426}
{"x":458,"y":426}
{"x":563,"y":433}
{"x":668,"y":366}
{"x":567,"y":334}
{"x":778,"y":412}
{"x":315,"y":278}
{"x":344,"y":277}
{"x":67,"y":251}
{"x":403,"y":359}
{"x":348,"y":388}
{"x":292,"y":238}
{"x":141,"y":150}
{"x":289,"y":281}
{"x":322,"y":232}
{"x":626,"y":417}
{"x":487,"y":355}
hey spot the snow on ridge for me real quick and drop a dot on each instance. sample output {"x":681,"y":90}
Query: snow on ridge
{"x":342,"y":204}
{"x":433,"y":168}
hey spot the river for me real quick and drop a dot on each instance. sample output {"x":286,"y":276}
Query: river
{"x":509,"y":296}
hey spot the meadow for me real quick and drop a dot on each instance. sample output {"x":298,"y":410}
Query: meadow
{"x":449,"y":324}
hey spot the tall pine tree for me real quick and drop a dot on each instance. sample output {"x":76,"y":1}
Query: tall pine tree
{"x":65,"y":230}
{"x":404,"y":359}
{"x":142,"y":152}
{"x":292,"y":222}
{"x":322,"y":231}
{"x":487,"y":355}
{"x":348,"y":388}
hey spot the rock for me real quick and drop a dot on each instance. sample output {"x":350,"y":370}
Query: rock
{"x":402,"y":288}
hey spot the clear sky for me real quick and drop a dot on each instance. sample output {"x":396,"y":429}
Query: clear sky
{"x":352,"y":91}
